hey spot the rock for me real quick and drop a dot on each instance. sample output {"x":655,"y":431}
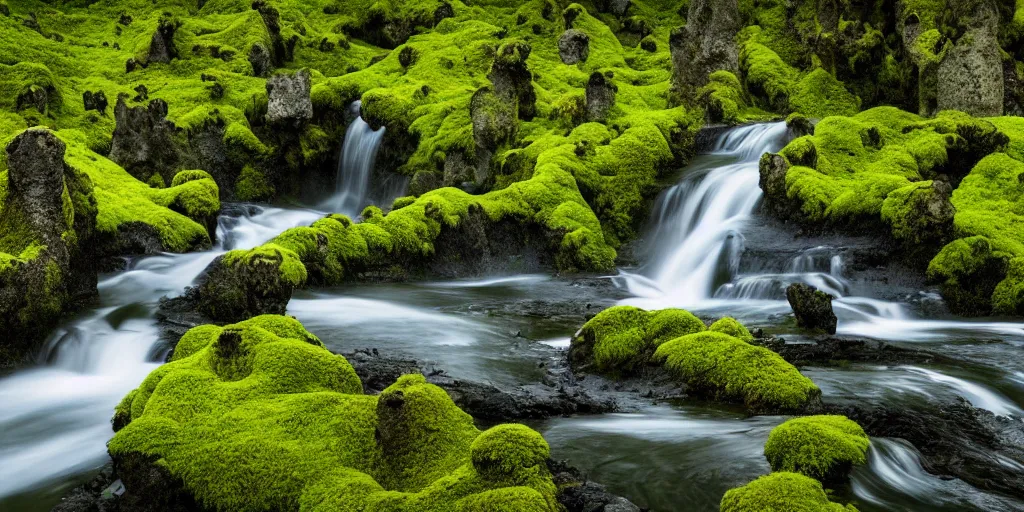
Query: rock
{"x":34,"y":97}
{"x":95,"y":101}
{"x":512,"y":78}
{"x":573,"y":46}
{"x":812,"y":307}
{"x":827,"y":350}
{"x":925,"y":219}
{"x":36,"y":182}
{"x":144,"y":140}
{"x":773,"y":169}
{"x":424,"y":181}
{"x":616,"y":7}
{"x":600,"y":93}
{"x":706,"y":44}
{"x":161,"y":46}
{"x":407,"y":56}
{"x":578,"y":494}
{"x":443,"y":11}
{"x":235,"y":291}
{"x":289,"y":104}
{"x":260,"y":59}
{"x":495,"y":120}
{"x":970,"y":75}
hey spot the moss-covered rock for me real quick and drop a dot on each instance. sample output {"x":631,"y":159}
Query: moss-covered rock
{"x":822,"y":447}
{"x":968,"y":271}
{"x":621,"y":340}
{"x":781,"y":491}
{"x":260,"y":416}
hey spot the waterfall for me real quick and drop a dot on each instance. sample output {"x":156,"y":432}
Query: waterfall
{"x":697,"y":222}
{"x":355,"y":165}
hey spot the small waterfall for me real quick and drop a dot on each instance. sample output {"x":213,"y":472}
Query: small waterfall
{"x":355,"y":165}
{"x":697,"y":222}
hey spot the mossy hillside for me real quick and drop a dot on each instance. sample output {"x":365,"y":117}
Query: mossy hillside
{"x":260,"y":416}
{"x":727,"y":368}
{"x":621,"y":340}
{"x":778,"y":492}
{"x":821,"y":447}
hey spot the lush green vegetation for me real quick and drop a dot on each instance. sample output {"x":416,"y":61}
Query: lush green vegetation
{"x":821,"y":447}
{"x":778,"y":492}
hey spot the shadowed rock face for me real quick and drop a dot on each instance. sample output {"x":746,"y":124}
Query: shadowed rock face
{"x":812,"y":307}
{"x":705,"y":45}
{"x":289,"y":103}
{"x":144,"y":140}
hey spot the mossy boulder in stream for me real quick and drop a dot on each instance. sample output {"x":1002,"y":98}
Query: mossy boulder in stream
{"x":777,"y":492}
{"x":259,"y":416}
{"x":716,"y":362}
{"x":822,"y":447}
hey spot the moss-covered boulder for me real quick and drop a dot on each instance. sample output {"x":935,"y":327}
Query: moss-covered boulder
{"x":968,"y":271}
{"x":791,"y":492}
{"x":621,"y":340}
{"x":812,"y":308}
{"x":704,"y":45}
{"x":259,"y":416}
{"x":822,"y":447}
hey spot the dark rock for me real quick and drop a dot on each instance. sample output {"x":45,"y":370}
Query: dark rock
{"x":828,"y":350}
{"x":32,"y":23}
{"x":232,"y":293}
{"x":124,"y":19}
{"x":600,"y":94}
{"x":407,"y":56}
{"x":773,"y":169}
{"x":36,"y":97}
{"x":649,"y":45}
{"x":141,"y":93}
{"x":578,"y":494}
{"x":131,"y":65}
{"x":812,"y":307}
{"x":799,"y":126}
{"x":161,"y":46}
{"x":95,"y":101}
{"x":289,"y":103}
{"x":616,"y":7}
{"x":6,"y":11}
{"x":88,"y":497}
{"x":573,"y":46}
{"x":144,"y":140}
{"x":705,"y":45}
{"x":260,"y":59}
{"x":495,"y":120}
{"x":424,"y":181}
{"x":443,"y":11}
{"x":512,"y":79}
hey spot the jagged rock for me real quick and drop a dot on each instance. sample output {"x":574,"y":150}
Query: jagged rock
{"x":95,"y":101}
{"x":970,"y":76}
{"x":289,"y":103}
{"x":773,"y":169}
{"x":495,"y":120}
{"x":161,"y":47}
{"x":812,"y":307}
{"x":144,"y":140}
{"x":512,"y":78}
{"x":706,"y":44}
{"x":36,"y":289}
{"x":600,"y":93}
{"x":573,"y":46}
{"x":260,"y":59}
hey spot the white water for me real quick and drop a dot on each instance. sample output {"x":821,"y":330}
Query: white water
{"x":55,"y":418}
{"x":355,"y":165}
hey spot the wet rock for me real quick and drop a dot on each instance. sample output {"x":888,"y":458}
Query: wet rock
{"x":578,"y":494}
{"x":161,"y":46}
{"x":89,"y":497}
{"x":95,"y":101}
{"x":812,"y":307}
{"x":235,"y":291}
{"x":495,"y":120}
{"x":260,"y":60}
{"x":600,"y":95}
{"x":144,"y":140}
{"x":512,"y":79}
{"x":573,"y":46}
{"x":289,"y":104}
{"x":706,"y":44}
{"x":773,"y":169}
{"x":970,"y":76}
{"x":424,"y":181}
{"x":926,"y":217}
{"x":827,"y":350}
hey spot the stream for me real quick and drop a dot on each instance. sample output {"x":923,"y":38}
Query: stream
{"x":707,"y":250}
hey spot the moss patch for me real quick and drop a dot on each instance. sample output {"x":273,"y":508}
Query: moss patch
{"x":821,"y":447}
{"x":781,"y":491}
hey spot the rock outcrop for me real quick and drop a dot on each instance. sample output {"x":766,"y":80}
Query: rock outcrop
{"x":144,"y":141}
{"x":812,"y":307}
{"x":289,"y":104}
{"x":512,"y":78}
{"x":970,"y":76}
{"x":574,"y":46}
{"x":600,"y":96}
{"x":706,"y":44}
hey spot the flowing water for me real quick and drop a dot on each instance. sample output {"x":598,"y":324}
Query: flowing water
{"x":710,"y":251}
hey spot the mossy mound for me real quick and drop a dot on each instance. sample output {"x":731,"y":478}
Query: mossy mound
{"x":260,"y":416}
{"x":778,"y":492}
{"x":715,"y":362}
{"x":621,"y":340}
{"x":821,"y":447}
{"x":727,"y":368}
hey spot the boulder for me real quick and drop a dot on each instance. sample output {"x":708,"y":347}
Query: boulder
{"x":512,"y":79}
{"x":573,"y":46}
{"x":235,"y":290}
{"x":95,"y":101}
{"x":261,"y":60}
{"x":289,"y":104}
{"x":495,"y":120}
{"x":144,"y":140}
{"x":616,"y":7}
{"x":600,"y":93}
{"x":161,"y":46}
{"x":706,"y":44}
{"x":970,"y":75}
{"x":773,"y":169}
{"x":812,"y":307}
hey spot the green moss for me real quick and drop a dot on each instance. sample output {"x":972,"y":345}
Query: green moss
{"x":990,"y":202}
{"x":259,"y":416}
{"x":621,"y":340}
{"x":729,"y":325}
{"x":253,"y":185}
{"x":728,"y":368}
{"x":156,"y":181}
{"x":1008,"y":297}
{"x":820,"y":94}
{"x":821,"y":447}
{"x":779,"y":492}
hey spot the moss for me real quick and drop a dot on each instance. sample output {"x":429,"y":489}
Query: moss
{"x":253,"y":185}
{"x":968,"y":270}
{"x":156,"y":181}
{"x":728,"y":368}
{"x":621,"y":340}
{"x":777,"y":492}
{"x":1008,"y":297}
{"x":259,"y":416}
{"x":729,"y":325}
{"x":821,"y":447}
{"x":820,"y":94}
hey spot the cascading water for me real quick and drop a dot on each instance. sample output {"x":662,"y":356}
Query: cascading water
{"x":55,"y":418}
{"x":355,"y":165}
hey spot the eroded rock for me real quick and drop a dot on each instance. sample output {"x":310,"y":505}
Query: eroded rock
{"x":573,"y":46}
{"x":600,"y":97}
{"x":812,"y":307}
{"x":706,"y":44}
{"x":289,"y":103}
{"x":512,"y":79}
{"x":144,"y":140}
